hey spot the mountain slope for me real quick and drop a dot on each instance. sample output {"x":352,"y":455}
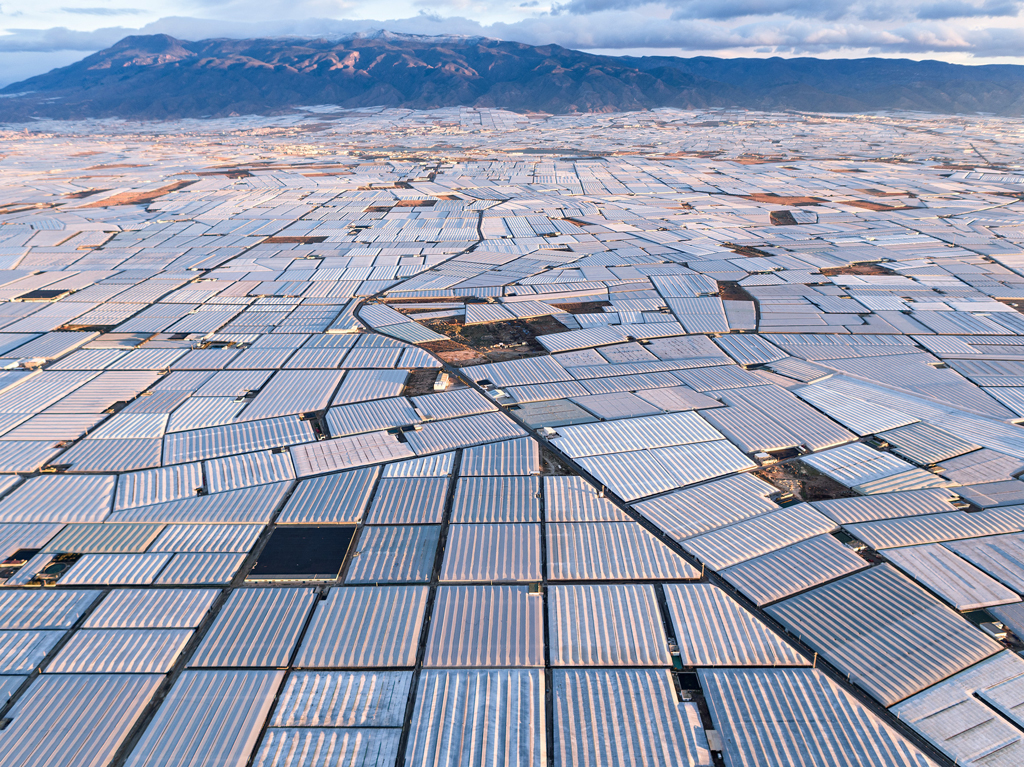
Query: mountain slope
{"x":159,"y":77}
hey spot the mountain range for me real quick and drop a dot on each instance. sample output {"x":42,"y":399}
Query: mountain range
{"x":160,"y":77}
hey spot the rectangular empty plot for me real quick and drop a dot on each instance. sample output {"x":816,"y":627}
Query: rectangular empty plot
{"x":713,"y":630}
{"x":872,"y":625}
{"x":152,"y":608}
{"x":497,"y":499}
{"x":612,"y":717}
{"x":785,"y":717}
{"x":120,"y":651}
{"x":394,"y":554}
{"x":573,"y":499}
{"x":358,"y":627}
{"x":492,"y":553}
{"x":485,"y":626}
{"x":606,"y":625}
{"x":477,"y":718}
{"x":71,"y":720}
{"x":255,"y":628}
{"x":206,"y":713}
{"x":513,"y":457}
{"x":332,"y":498}
{"x":343,"y":699}
{"x":792,"y":569}
{"x":610,"y":551}
{"x":408,"y":501}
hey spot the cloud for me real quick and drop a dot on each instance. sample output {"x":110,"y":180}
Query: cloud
{"x":854,"y":10}
{"x":105,"y":11}
{"x":781,"y":33}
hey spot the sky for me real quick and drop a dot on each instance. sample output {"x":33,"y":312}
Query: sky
{"x":38,"y":35}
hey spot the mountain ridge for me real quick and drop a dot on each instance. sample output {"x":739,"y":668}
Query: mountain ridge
{"x":162,"y":77}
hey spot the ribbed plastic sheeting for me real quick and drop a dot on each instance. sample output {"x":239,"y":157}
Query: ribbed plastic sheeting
{"x":232,"y":383}
{"x":104,"y":538}
{"x":293,"y":391}
{"x":974,"y":716}
{"x":713,"y":630}
{"x":791,"y":569}
{"x":909,"y":503}
{"x":200,"y":412}
{"x":43,"y":609}
{"x":25,"y":536}
{"x":199,"y":569}
{"x":394,"y":554}
{"x":573,"y":499}
{"x":926,"y":444}
{"x":440,"y":465}
{"x":606,"y":625}
{"x":115,"y":569}
{"x":366,"y":385}
{"x":533,"y":370}
{"x":359,"y":627}
{"x":331,"y":499}
{"x":206,"y":713}
{"x":21,"y":652}
{"x":485,"y":626}
{"x":328,"y":747}
{"x":257,"y":627}
{"x":625,"y":716}
{"x":786,"y":717}
{"x":478,"y":718}
{"x":438,"y":436}
{"x":152,"y":608}
{"x":343,"y":699}
{"x":246,"y":506}
{"x":59,"y":498}
{"x":217,"y":441}
{"x":492,"y":553}
{"x":75,"y":720}
{"x":207,"y":538}
{"x":496,"y":499}
{"x":120,"y":651}
{"x":348,"y":453}
{"x":375,"y":415}
{"x":611,"y":551}
{"x":1001,"y":556}
{"x":143,"y":488}
{"x":634,"y":434}
{"x":516,"y":457}
{"x":452,"y":404}
{"x":954,"y":580}
{"x":248,"y":469}
{"x":937,"y":528}
{"x":408,"y":500}
{"x":696,"y":510}
{"x":869,"y":625}
{"x":110,"y":455}
{"x":753,"y":537}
